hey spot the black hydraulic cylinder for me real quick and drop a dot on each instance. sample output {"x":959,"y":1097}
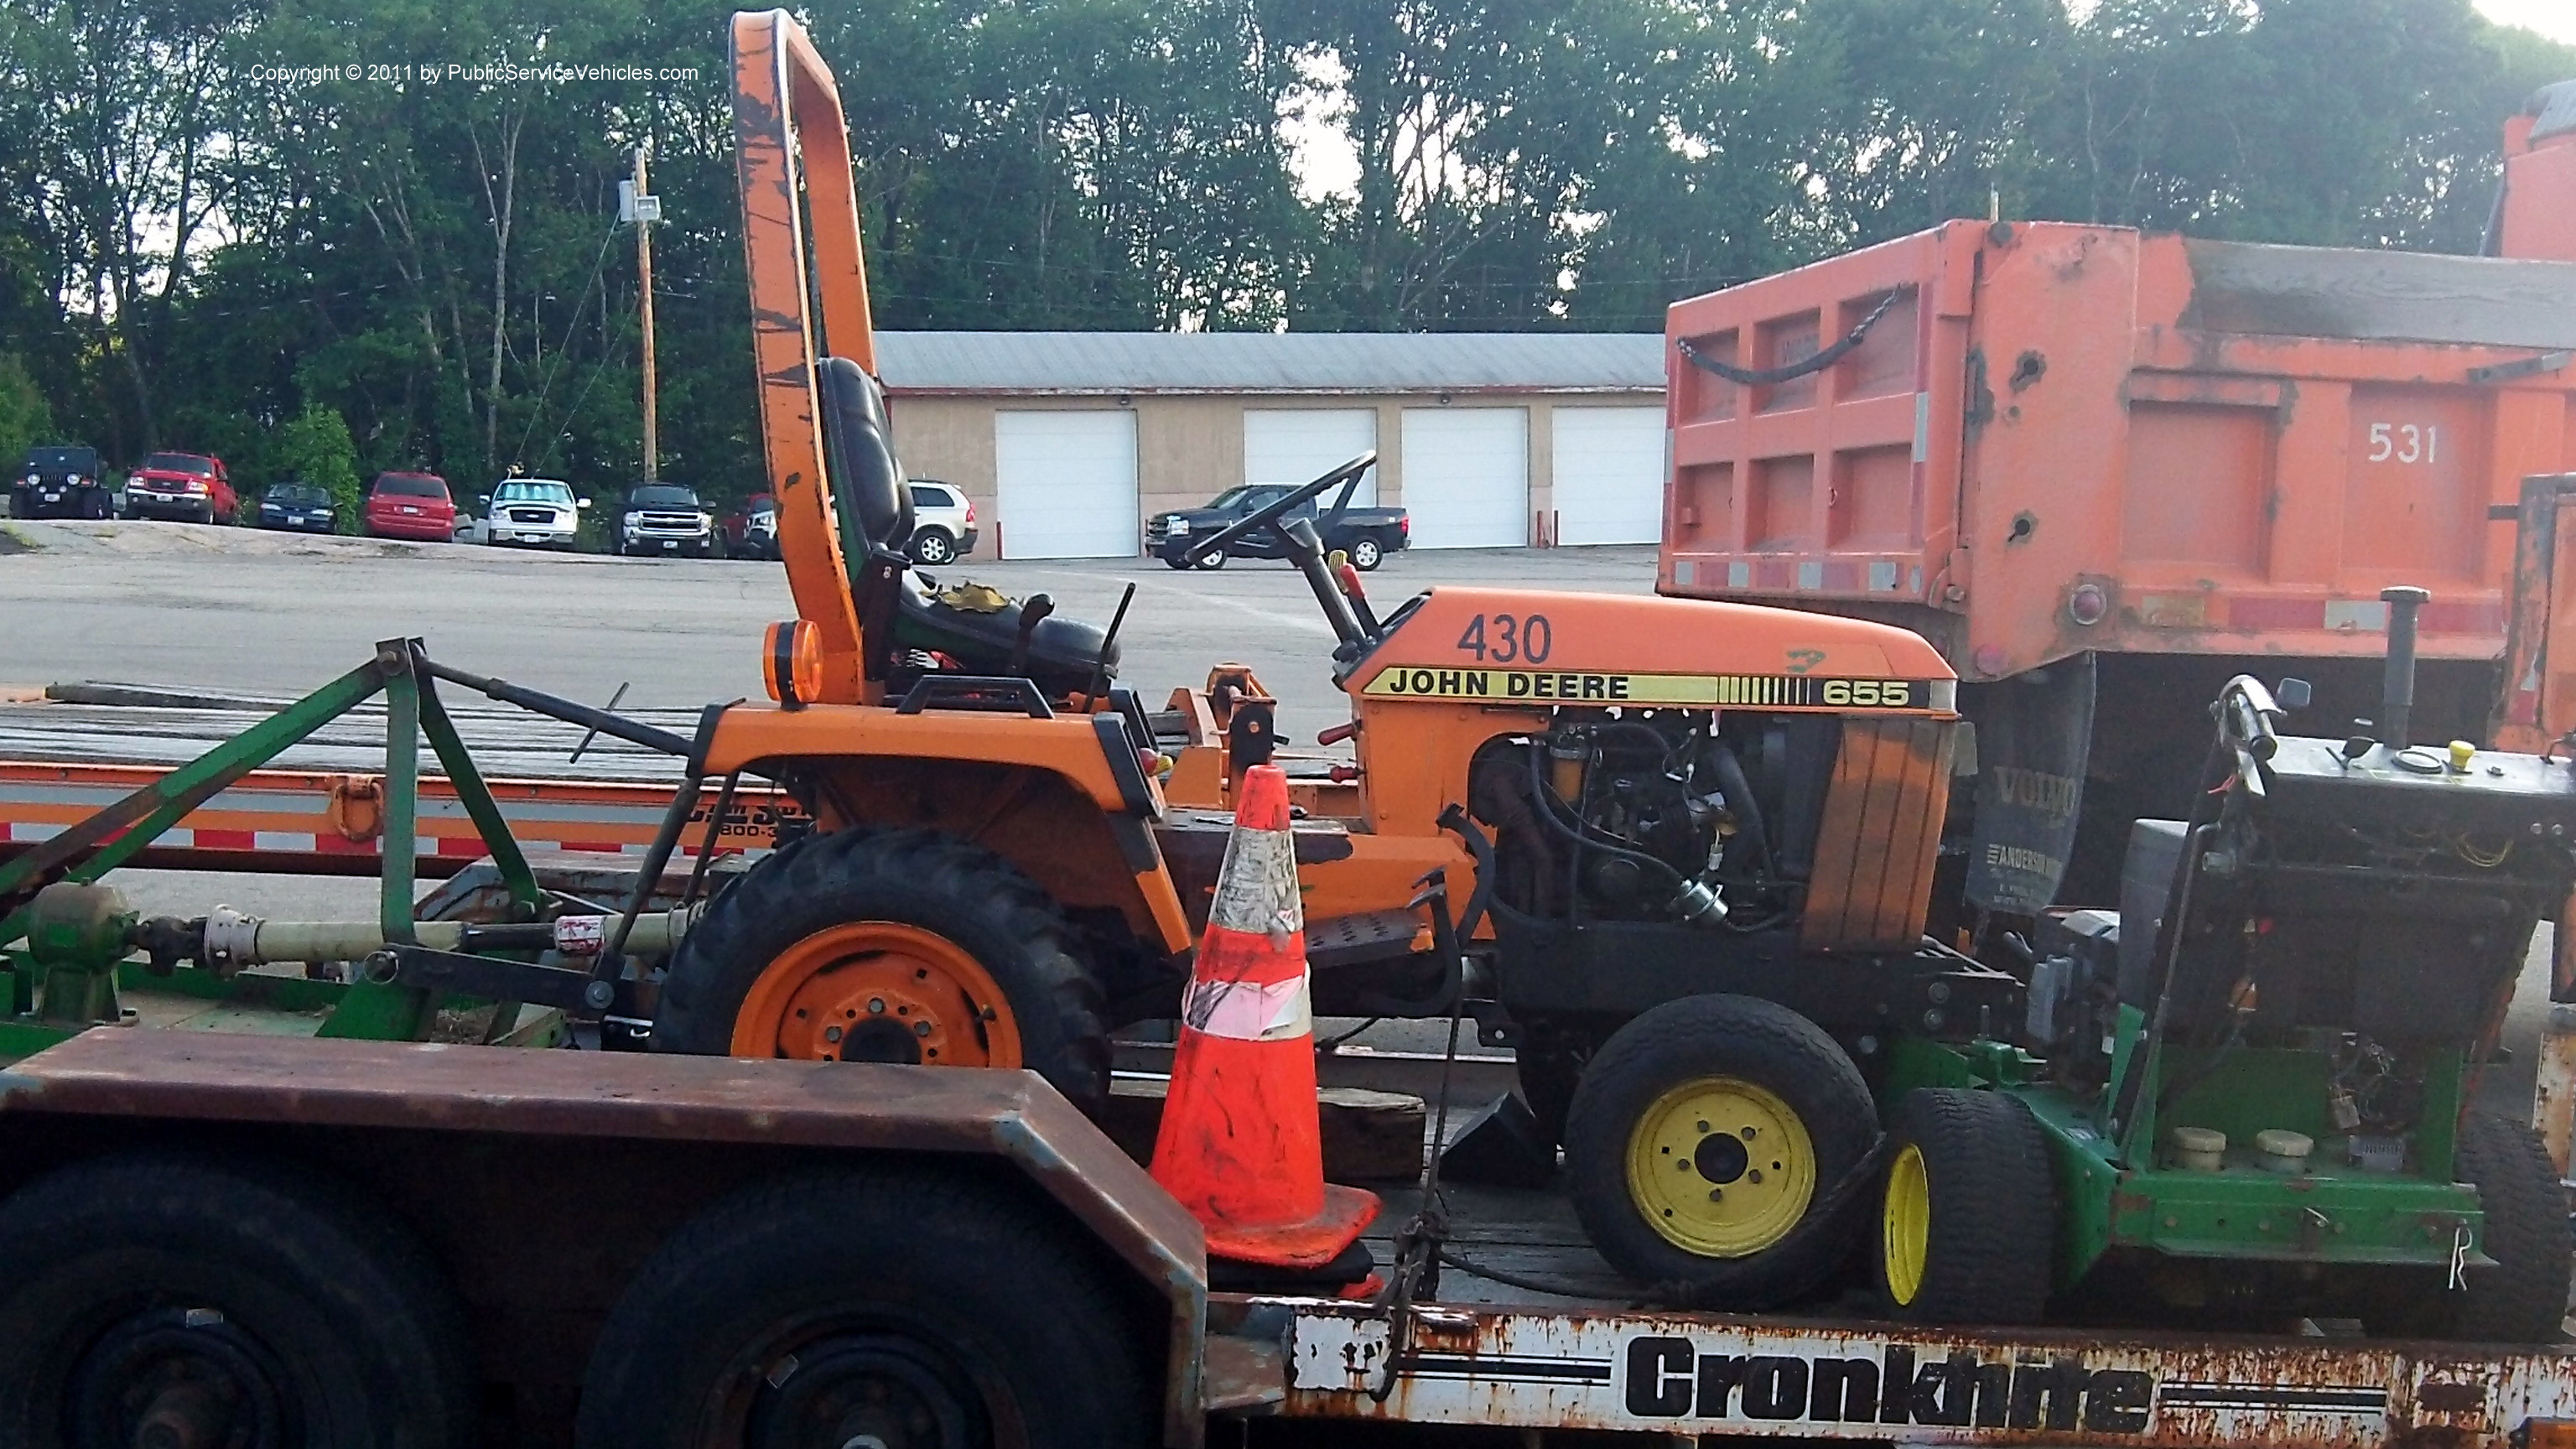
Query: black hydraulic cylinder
{"x":2397,"y":692}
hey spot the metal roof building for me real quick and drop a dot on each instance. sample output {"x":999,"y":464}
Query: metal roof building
{"x":1066,"y":441}
{"x":1094,"y":363}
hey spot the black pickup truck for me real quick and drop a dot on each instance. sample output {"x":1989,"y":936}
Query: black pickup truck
{"x":1368,"y":535}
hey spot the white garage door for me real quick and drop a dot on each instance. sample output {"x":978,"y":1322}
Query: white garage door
{"x":1300,"y":445}
{"x":1066,"y":484}
{"x":1609,"y":475}
{"x":1466,"y":476}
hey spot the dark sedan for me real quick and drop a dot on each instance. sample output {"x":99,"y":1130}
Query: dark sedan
{"x":299,"y":507}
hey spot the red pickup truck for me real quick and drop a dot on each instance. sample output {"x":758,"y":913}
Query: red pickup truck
{"x":188,"y":486}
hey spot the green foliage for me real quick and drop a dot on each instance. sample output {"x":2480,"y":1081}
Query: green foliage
{"x":198,"y":254}
{"x":25,"y":420}
{"x":314,"y":447}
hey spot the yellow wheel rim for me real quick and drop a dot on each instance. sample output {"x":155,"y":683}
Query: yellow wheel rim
{"x":1721,"y":1167}
{"x":1905,"y":1225}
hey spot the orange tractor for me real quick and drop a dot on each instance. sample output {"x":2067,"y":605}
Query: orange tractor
{"x":1692,"y":841}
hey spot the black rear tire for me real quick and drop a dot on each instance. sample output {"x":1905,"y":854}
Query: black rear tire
{"x":962,"y":893}
{"x":1984,"y":1251}
{"x":227,"y":1297}
{"x":1366,"y":554}
{"x":2523,"y":1298}
{"x":1730,"y":1043}
{"x":894,"y":1305}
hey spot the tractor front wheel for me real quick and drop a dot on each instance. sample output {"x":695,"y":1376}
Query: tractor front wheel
{"x":888,"y":946}
{"x":2522,"y":1298}
{"x":1704,"y":1142}
{"x":1967,"y":1215}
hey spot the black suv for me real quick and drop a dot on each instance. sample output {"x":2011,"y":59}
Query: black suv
{"x":63,"y":479}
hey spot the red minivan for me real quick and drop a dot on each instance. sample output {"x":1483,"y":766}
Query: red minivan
{"x":410,"y":505}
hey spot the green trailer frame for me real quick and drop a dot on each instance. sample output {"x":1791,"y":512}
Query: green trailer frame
{"x":57,"y":982}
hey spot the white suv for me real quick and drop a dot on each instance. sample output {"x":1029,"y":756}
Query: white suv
{"x":943,"y":522}
{"x":534,"y":511}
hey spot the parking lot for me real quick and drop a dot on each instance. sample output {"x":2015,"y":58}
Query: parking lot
{"x":266,"y":613}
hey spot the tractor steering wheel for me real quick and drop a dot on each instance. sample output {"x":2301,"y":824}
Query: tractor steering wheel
{"x":1348,"y":475}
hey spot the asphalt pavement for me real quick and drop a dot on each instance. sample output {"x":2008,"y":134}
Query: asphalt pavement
{"x":244,"y":611}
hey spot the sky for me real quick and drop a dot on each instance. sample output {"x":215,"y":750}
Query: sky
{"x":2553,"y":18}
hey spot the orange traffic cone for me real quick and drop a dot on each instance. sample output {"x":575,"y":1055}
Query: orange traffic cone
{"x":1240,"y":1144}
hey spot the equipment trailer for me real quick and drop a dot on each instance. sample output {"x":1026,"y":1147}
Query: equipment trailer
{"x":240,"y":1240}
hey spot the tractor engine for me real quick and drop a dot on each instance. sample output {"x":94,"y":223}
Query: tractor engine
{"x":1682,"y":817}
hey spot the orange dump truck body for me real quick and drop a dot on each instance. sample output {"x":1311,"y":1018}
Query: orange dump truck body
{"x":2103,"y":470}
{"x":2200,"y":447}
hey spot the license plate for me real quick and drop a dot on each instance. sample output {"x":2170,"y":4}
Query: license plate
{"x":532,"y":538}
{"x":53,"y":498}
{"x":407,"y":508}
{"x":670,"y":543}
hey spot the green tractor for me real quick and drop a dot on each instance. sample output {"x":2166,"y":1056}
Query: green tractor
{"x":2243,"y":1097}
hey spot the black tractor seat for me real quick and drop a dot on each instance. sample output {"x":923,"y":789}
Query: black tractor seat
{"x":979,"y":628}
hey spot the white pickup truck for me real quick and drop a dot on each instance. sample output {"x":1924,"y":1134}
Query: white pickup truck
{"x":532,"y":513}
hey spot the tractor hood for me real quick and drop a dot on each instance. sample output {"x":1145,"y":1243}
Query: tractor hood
{"x":1511,"y":647}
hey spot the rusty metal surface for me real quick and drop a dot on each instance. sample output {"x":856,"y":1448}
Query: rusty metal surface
{"x":1705,"y":1374}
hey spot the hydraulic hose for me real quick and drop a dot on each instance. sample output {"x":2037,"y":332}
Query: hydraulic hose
{"x":1747,"y":811}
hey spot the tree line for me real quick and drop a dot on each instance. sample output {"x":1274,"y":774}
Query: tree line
{"x":204,"y":244}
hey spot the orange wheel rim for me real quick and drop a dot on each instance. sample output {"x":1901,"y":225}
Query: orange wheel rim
{"x":878,"y":991}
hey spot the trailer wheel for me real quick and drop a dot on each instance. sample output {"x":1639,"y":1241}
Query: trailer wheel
{"x":888,"y":946}
{"x":2523,"y":1298}
{"x":163,"y":1298}
{"x":1703,"y":1135}
{"x":1968,"y":1213}
{"x":893,"y":1306}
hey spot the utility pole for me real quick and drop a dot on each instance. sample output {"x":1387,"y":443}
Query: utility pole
{"x":647,"y":209}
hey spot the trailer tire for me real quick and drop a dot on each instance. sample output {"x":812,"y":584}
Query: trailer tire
{"x":298,"y":1302}
{"x":1967,"y":1211}
{"x":889,"y":931}
{"x":2524,"y":1297}
{"x":875,"y":1304}
{"x":1742,"y":1066}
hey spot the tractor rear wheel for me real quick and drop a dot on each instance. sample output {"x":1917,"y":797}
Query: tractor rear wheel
{"x":1968,"y":1214}
{"x":2523,"y":1298}
{"x":1703,"y":1139}
{"x":888,"y":946}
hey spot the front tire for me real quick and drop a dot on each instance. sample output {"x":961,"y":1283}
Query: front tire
{"x":2523,"y":1298}
{"x":932,"y":547}
{"x":889,"y":1305}
{"x":1703,"y":1138}
{"x":1968,"y":1214}
{"x":163,"y":1297}
{"x":1213,"y":559}
{"x":888,"y":945}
